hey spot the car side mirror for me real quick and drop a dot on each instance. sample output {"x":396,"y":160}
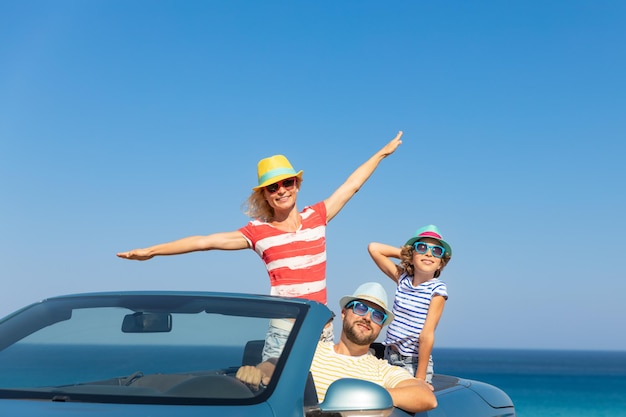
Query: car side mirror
{"x":142,"y":322}
{"x":357,"y":397}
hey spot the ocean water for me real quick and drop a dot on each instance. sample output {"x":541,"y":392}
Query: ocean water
{"x":541,"y":383}
{"x":546,"y":383}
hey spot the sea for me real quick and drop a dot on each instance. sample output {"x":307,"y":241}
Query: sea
{"x":541,"y":383}
{"x":546,"y":383}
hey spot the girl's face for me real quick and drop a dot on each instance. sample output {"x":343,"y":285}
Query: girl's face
{"x":426,"y":263}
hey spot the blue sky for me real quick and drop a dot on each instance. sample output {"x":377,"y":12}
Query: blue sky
{"x":129,"y":123}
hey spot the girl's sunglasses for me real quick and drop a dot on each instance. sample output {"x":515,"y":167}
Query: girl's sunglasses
{"x":422,"y":248}
{"x":361,"y":309}
{"x":287,"y":184}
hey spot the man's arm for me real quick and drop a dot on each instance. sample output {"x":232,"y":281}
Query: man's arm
{"x":413,"y":395}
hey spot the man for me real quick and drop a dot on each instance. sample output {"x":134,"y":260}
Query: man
{"x":363,"y":315}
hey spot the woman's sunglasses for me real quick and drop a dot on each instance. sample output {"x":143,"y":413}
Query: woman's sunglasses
{"x":361,"y":309}
{"x":422,"y":248}
{"x":287,"y":184}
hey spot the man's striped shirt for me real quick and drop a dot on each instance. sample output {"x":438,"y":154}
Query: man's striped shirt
{"x":328,"y":366}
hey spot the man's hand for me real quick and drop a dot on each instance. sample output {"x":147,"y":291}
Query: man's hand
{"x":252,"y":376}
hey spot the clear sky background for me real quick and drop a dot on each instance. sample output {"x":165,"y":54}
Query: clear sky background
{"x":129,"y":123}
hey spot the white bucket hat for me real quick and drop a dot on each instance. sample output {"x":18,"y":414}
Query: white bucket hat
{"x":372,"y":292}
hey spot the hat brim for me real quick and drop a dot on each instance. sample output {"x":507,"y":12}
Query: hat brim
{"x":345,"y":300}
{"x":278,"y":178}
{"x":443,"y":243}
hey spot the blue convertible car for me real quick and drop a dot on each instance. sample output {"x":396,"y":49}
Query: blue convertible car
{"x":175,"y":354}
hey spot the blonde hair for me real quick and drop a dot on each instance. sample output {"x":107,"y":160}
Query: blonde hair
{"x":257,"y":207}
{"x":406,"y":261}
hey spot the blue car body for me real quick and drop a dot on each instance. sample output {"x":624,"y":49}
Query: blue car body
{"x":176,"y":354}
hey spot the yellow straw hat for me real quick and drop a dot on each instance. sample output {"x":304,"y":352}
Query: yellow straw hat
{"x":274,"y":169}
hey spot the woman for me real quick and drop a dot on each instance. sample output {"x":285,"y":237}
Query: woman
{"x":291,"y":243}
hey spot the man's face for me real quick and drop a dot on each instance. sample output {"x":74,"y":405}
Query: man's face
{"x":360,"y":330}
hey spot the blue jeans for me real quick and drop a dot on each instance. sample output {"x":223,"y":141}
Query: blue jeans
{"x":277,"y":335}
{"x":408,"y":362}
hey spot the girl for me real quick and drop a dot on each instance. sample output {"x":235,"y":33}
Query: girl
{"x":419,"y":300}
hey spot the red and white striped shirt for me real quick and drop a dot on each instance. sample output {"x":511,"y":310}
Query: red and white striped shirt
{"x":295,"y":261}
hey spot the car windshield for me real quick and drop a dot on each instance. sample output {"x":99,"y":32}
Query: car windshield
{"x":143,"y":347}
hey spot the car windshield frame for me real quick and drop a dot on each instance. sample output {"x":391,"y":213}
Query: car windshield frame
{"x":222,"y":318}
